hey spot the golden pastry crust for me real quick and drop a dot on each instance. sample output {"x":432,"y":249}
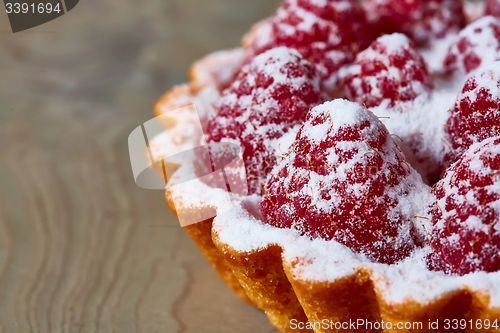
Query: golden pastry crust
{"x":261,"y":275}
{"x":356,"y":296}
{"x":201,"y":234}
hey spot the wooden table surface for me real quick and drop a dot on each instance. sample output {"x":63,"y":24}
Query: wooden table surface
{"x":82,"y":248}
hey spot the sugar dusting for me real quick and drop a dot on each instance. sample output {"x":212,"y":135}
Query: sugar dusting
{"x":241,"y":227}
{"x":434,"y":56}
{"x":420,"y":128}
{"x":475,"y":46}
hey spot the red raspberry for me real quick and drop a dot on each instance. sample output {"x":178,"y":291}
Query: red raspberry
{"x":466,"y":234}
{"x":270,"y":95}
{"x":345,"y":179}
{"x":476,"y":45}
{"x":475,"y":115}
{"x":390,"y":70}
{"x":492,"y":7}
{"x":329,"y":33}
{"x":421,"y":20}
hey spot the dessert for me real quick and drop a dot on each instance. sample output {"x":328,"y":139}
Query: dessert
{"x":340,"y":224}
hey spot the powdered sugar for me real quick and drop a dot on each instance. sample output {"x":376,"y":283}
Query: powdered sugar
{"x":184,"y":131}
{"x":435,"y":55}
{"x":476,"y":46}
{"x":393,"y":43}
{"x":420,"y":128}
{"x":282,"y":145}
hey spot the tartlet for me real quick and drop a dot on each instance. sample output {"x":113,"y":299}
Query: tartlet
{"x":310,"y":283}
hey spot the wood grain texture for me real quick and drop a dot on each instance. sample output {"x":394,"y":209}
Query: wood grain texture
{"x":82,"y":248}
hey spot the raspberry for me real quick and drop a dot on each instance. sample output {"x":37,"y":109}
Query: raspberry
{"x":270,"y":95}
{"x":466,"y":235}
{"x":476,"y":45}
{"x":492,"y":7}
{"x":476,"y":115}
{"x":329,"y":33}
{"x":421,"y":20}
{"x":391,"y":70}
{"x":345,"y":179}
